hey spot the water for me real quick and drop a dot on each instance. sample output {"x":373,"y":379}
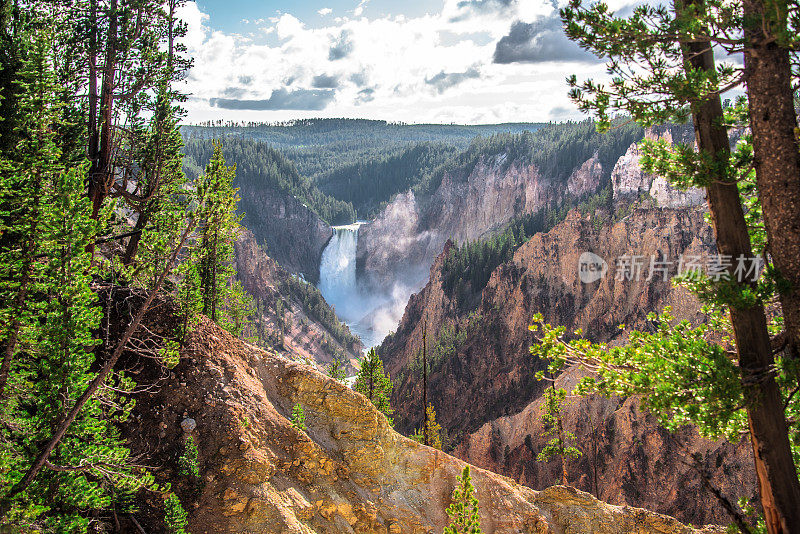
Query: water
{"x":337,"y":273}
{"x":369,"y":314}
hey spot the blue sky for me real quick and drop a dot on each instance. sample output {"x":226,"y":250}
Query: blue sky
{"x":229,"y":15}
{"x":442,"y":61}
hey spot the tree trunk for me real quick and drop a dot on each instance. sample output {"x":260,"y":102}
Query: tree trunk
{"x":775,"y":468}
{"x":133,"y":242}
{"x":773,"y":123}
{"x":93,"y":134}
{"x":103,"y":172}
{"x":425,"y":435}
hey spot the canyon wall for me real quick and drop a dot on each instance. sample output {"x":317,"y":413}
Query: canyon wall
{"x":293,"y":234}
{"x":280,"y":310}
{"x":488,"y":400}
{"x":412,"y":231}
{"x":482,"y":376}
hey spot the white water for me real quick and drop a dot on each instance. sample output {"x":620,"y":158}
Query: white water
{"x":368,"y":314}
{"x":337,"y":272}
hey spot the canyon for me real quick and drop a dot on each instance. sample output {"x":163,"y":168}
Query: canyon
{"x":385,"y":276}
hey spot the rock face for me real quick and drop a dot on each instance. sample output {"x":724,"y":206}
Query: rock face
{"x":585,"y":179}
{"x":464,"y":207}
{"x":627,"y":457}
{"x":348,"y":473}
{"x":304,"y":336}
{"x":484,"y":388}
{"x":294,"y":235}
{"x":629,"y":181}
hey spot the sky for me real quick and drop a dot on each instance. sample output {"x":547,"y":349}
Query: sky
{"x":415,"y":61}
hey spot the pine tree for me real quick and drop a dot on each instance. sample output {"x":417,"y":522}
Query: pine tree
{"x":374,"y":384}
{"x":52,"y":340}
{"x":679,"y":78}
{"x":431,"y":434}
{"x":211,"y":271}
{"x":336,"y":369}
{"x":463,"y":510}
{"x":561,"y":440}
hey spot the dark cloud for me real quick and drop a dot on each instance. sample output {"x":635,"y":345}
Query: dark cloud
{"x":469,"y":8}
{"x":538,"y":42}
{"x":561,"y":112}
{"x":359,"y":78}
{"x":342,"y":47}
{"x":281,"y":99}
{"x":234,"y":92}
{"x":245,"y":80}
{"x":365,"y":95}
{"x":445,"y":80}
{"x":325,"y":81}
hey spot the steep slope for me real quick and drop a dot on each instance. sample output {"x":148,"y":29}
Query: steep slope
{"x":481,"y":190}
{"x":482,"y":377}
{"x":348,"y":473}
{"x":283,"y":209}
{"x":291,"y":314}
{"x":491,"y":369}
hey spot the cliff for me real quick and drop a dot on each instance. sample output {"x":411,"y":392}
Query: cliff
{"x":293,"y":234}
{"x":348,"y":473}
{"x":482,"y":376}
{"x":467,"y":205}
{"x":290,"y":314}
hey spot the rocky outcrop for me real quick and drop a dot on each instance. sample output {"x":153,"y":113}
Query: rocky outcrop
{"x":630,"y":182}
{"x":293,"y":234}
{"x":348,"y":472}
{"x":484,"y":388}
{"x":586,"y":178}
{"x":281,"y":320}
{"x":492,"y":371}
{"x":627,"y":458}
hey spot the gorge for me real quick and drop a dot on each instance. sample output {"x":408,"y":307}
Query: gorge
{"x":385,"y":279}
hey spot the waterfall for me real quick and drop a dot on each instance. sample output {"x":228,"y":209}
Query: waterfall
{"x":370,"y":313}
{"x":337,"y":273}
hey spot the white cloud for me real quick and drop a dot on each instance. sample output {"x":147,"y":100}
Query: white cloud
{"x":359,"y":10}
{"x":325,"y":11}
{"x":391,"y":67}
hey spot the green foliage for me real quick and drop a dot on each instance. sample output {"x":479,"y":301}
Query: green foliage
{"x":683,"y":377}
{"x":560,"y":442}
{"x":187,"y":462}
{"x":463,"y":509}
{"x":175,"y":517}
{"x":375,"y":384}
{"x":373,"y":179}
{"x":316,"y":146}
{"x":315,"y":305}
{"x":299,"y":418}
{"x":434,"y":430}
{"x":170,"y":354}
{"x":50,"y":315}
{"x":209,"y":285}
{"x":260,"y":167}
{"x":336,"y":369}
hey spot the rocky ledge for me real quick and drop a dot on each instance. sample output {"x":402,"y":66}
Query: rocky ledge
{"x":348,"y":473}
